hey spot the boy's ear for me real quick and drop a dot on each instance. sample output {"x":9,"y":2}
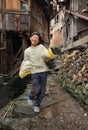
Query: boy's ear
{"x":30,"y":38}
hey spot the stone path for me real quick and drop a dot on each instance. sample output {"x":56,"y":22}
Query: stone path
{"x":59,"y":111}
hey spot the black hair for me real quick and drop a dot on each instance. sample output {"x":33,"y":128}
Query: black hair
{"x":36,"y":33}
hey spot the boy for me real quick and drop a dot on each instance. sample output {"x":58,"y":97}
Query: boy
{"x":37,"y":55}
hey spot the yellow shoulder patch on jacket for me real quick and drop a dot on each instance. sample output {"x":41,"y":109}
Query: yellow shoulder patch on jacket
{"x":50,"y":54}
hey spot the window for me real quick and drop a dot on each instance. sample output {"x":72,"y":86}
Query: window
{"x":24,"y":5}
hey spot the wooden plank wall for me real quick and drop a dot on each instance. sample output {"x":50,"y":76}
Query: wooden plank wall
{"x":0,"y":22}
{"x":12,"y":4}
{"x":0,"y":16}
{"x":0,"y":3}
{"x":39,"y":22}
{"x":82,"y":25}
{"x":78,"y":27}
{"x":76,"y":24}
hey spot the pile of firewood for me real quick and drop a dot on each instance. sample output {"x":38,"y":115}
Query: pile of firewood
{"x":73,"y":74}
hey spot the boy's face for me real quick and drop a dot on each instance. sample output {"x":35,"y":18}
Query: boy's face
{"x":34,"y":40}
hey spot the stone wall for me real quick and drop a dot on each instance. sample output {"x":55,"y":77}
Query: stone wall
{"x":73,"y":74}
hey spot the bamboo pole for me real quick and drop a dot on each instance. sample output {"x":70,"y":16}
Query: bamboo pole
{"x":77,"y":14}
{"x":6,"y":113}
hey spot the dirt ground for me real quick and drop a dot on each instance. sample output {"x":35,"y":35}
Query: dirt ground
{"x":59,"y":111}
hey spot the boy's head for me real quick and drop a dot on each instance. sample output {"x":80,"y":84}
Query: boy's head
{"x":35,"y":38}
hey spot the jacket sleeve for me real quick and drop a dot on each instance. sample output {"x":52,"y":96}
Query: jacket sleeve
{"x":24,"y":69}
{"x":50,"y":54}
{"x":25,"y":66}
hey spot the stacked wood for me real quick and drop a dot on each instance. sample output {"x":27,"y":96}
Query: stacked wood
{"x":73,"y":74}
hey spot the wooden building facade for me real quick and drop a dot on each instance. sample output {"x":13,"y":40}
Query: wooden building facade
{"x":56,"y":30}
{"x":18,"y":18}
{"x":74,"y":30}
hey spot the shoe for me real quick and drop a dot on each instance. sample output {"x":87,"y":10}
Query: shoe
{"x":36,"y":109}
{"x":30,"y":102}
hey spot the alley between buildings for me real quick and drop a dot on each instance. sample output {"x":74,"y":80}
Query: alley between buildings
{"x":59,"y":111}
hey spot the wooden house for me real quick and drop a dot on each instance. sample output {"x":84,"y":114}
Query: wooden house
{"x":18,"y":18}
{"x":74,"y":31}
{"x":76,"y":23}
{"x":56,"y":29}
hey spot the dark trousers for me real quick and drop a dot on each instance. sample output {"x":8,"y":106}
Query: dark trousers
{"x":38,"y":87}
